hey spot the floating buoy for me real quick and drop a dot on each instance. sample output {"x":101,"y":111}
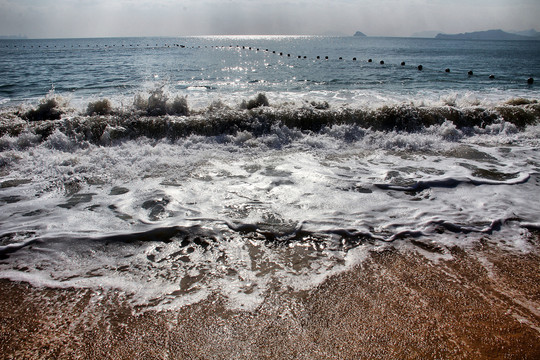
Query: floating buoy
{"x":353,"y":59}
{"x":370,"y":60}
{"x":403,"y":63}
{"x":299,"y":57}
{"x":326,"y":57}
{"x":288,"y":55}
{"x":530,"y":81}
{"x":420,"y":67}
{"x":305,"y":57}
{"x":340,"y":58}
{"x":382,"y":62}
{"x":318,"y":57}
{"x":470,"y":73}
{"x":447,"y":70}
{"x":492,"y":76}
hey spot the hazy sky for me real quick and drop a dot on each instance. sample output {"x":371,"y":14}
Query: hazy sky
{"x":98,"y":18}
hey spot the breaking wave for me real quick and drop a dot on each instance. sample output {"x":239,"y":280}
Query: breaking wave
{"x":157,"y":117}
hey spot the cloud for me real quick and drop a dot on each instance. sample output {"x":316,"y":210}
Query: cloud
{"x":87,"y":18}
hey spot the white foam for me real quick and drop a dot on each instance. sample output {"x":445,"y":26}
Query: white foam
{"x":322,"y":183}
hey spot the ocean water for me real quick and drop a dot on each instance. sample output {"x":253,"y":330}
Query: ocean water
{"x":175,"y":168}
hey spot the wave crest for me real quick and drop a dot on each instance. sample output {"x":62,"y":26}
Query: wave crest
{"x":157,"y":117}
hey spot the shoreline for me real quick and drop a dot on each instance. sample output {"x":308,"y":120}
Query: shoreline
{"x":484,"y":303}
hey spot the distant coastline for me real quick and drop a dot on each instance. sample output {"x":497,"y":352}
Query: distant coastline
{"x":488,"y":35}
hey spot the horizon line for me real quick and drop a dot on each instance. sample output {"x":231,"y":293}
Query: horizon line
{"x":26,"y":37}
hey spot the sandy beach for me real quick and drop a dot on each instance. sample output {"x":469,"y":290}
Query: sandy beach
{"x":483,"y":303}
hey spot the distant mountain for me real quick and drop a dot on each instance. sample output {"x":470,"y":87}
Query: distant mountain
{"x":531,"y":32}
{"x":359,"y":33}
{"x":485,"y":35}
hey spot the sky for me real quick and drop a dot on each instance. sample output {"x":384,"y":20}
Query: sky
{"x":111,"y":18}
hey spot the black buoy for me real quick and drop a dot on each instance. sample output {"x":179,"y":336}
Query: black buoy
{"x":340,"y":58}
{"x":382,"y":62}
{"x":305,"y":57}
{"x":530,"y":81}
{"x":353,"y":59}
{"x":447,"y":70}
{"x":492,"y":76}
{"x":403,"y":63}
{"x":420,"y":67}
{"x":370,"y":60}
{"x":470,"y":73}
{"x":299,"y":56}
{"x":318,"y":57}
{"x":326,"y":57}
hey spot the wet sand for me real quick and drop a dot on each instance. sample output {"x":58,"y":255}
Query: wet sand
{"x":484,"y":303}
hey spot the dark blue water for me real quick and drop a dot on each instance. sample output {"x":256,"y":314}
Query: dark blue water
{"x":223,"y":67}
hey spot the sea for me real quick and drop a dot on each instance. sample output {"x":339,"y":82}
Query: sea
{"x":174,"y":169}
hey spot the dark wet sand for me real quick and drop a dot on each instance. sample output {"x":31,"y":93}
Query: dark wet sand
{"x":396,"y":305}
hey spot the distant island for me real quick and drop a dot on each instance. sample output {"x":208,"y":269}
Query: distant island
{"x":360,"y":34}
{"x":488,"y":35}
